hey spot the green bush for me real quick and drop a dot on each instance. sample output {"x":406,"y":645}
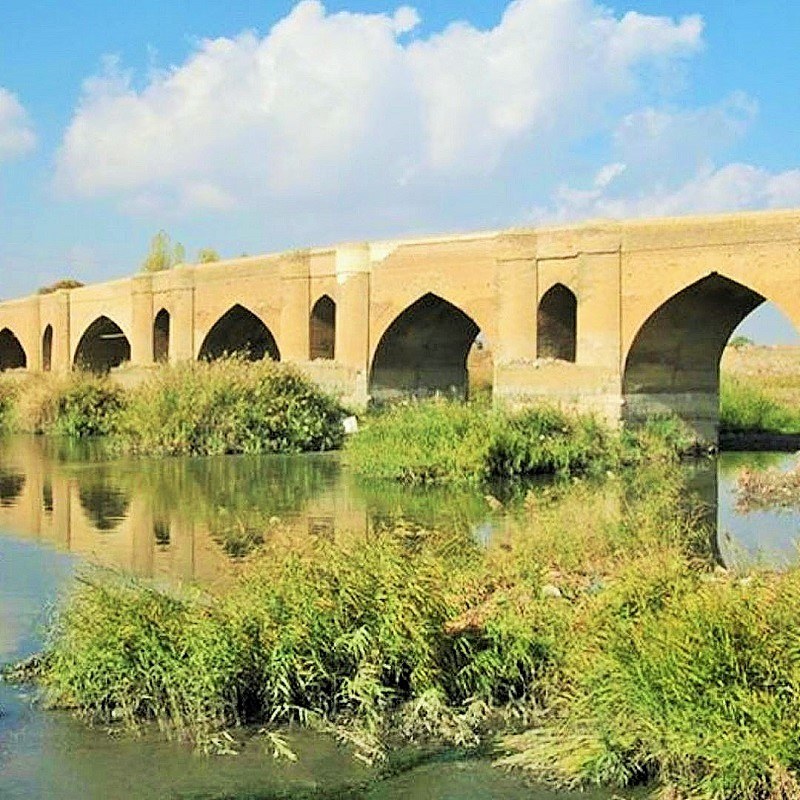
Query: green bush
{"x":8,"y":397}
{"x":88,"y":405}
{"x":686,"y":680}
{"x":228,"y":406}
{"x":439,"y":441}
{"x":745,"y":408}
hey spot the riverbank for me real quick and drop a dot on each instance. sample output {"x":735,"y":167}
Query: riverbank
{"x":760,"y":395}
{"x":235,"y":406}
{"x":350,"y":622}
{"x":396,"y":637}
{"x":227,"y":406}
{"x":238,"y":407}
{"x":438,"y":442}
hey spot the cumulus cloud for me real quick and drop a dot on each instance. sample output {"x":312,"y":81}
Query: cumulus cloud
{"x":667,"y":166}
{"x":16,"y":131}
{"x":327,"y":106}
{"x":734,"y":187}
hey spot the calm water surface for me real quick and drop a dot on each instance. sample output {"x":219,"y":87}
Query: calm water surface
{"x":190,"y":520}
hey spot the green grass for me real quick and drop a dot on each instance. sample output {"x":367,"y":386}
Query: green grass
{"x":393,"y":635}
{"x":445,"y":442}
{"x":228,"y":406}
{"x":682,"y":679}
{"x":745,"y":408}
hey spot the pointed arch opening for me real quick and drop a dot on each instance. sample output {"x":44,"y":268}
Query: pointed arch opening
{"x":557,"y":324}
{"x":673,"y":363}
{"x":424,"y":352}
{"x":239,"y":332}
{"x":102,"y":347}
{"x":12,"y":354}
{"x":322,"y":329}
{"x":161,"y":337}
{"x":47,"y":349}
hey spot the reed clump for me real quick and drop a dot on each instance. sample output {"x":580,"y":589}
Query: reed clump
{"x":682,"y":679}
{"x":444,"y":442}
{"x":746,"y":408}
{"x":228,"y":406}
{"x":393,"y":635}
{"x":77,"y":405}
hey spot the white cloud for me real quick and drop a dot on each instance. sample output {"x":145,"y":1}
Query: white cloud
{"x":608,"y":174}
{"x":329,"y":107}
{"x":16,"y":131}
{"x":662,"y":140}
{"x":666,"y":167}
{"x":734,"y":187}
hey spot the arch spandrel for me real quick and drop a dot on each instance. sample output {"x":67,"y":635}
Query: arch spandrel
{"x":651,"y":278}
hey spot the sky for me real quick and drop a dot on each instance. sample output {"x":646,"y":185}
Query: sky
{"x":252,"y":127}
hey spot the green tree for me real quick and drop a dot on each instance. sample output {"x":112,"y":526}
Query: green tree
{"x":207,"y":255}
{"x":163,"y":253}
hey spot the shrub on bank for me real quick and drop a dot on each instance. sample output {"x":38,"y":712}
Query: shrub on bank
{"x":228,"y":406}
{"x":77,"y":405}
{"x":8,"y":399}
{"x":438,"y":441}
{"x":392,"y":634}
{"x":745,"y":408}
{"x":688,"y":681}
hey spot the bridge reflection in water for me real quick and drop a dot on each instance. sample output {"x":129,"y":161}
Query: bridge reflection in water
{"x":191,"y":519}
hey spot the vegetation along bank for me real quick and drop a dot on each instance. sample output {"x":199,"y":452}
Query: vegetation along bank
{"x":592,"y":642}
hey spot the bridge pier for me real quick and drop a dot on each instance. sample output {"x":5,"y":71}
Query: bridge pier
{"x":142,"y":316}
{"x":352,"y":339}
{"x":294,"y":271}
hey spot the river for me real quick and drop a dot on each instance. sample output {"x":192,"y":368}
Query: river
{"x":191,"y":520}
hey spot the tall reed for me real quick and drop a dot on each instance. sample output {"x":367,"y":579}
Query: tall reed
{"x":228,"y":406}
{"x":440,"y":442}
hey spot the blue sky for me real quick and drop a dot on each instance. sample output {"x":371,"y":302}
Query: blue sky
{"x":252,"y":127}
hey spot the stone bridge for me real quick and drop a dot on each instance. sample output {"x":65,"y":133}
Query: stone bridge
{"x":622,"y":318}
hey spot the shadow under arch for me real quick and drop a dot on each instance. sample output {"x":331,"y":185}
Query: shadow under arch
{"x":424,"y":352}
{"x":557,"y":324}
{"x":106,"y":506}
{"x":239,"y":332}
{"x":102,"y":347}
{"x":12,"y":354}
{"x":47,"y":349}
{"x":322,"y":329}
{"x":161,"y":332}
{"x":11,"y":485}
{"x":672,"y":365}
